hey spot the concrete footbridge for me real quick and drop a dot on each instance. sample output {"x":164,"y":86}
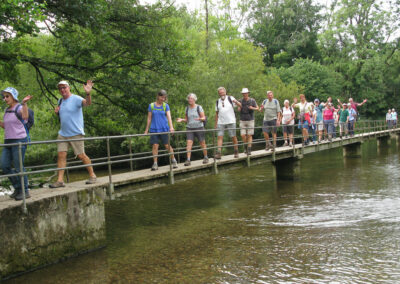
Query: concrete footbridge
{"x":55,"y":224}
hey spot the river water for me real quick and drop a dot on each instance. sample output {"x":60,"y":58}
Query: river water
{"x":340,"y":223}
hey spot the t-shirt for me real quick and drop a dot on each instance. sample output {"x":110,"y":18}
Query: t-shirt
{"x":394,"y":115}
{"x":328,"y":113}
{"x":344,"y":113}
{"x":271,"y":109}
{"x":352,"y":114}
{"x":287,"y":113}
{"x":71,"y":116}
{"x":354,"y":106}
{"x":13,"y":127}
{"x":159,"y":121}
{"x":388,"y":116}
{"x":226,"y":113}
{"x":192,"y":114}
{"x":318,"y":110}
{"x":304,"y":107}
{"x":247,"y":114}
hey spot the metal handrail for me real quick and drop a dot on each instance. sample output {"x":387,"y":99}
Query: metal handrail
{"x":110,"y":160}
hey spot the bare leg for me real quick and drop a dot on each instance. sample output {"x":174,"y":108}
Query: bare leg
{"x":155,"y":152}
{"x":86,"y":161}
{"x":61,"y":163}
{"x":189,"y":144}
{"x":204,"y":146}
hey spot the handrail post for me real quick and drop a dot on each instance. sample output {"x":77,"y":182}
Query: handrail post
{"x":21,"y":176}
{"x":171,"y":171}
{"x":247,"y":147}
{"x":215,"y":167}
{"x":110,"y":185}
{"x":130,"y":154}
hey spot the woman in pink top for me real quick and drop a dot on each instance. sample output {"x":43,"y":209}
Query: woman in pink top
{"x":14,"y":132}
{"x":329,"y":121}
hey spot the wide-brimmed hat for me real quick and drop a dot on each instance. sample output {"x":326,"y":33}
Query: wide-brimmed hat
{"x":245,"y":91}
{"x":11,"y":91}
{"x":63,"y":83}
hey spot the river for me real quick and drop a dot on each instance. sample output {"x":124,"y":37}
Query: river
{"x":340,"y":223}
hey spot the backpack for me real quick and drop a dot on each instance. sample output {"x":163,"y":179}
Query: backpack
{"x":164,"y":105}
{"x":198,"y":112}
{"x":29,"y":123}
{"x":229,"y":99}
{"x":275,"y":101}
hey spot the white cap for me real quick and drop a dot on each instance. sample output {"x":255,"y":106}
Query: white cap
{"x":245,"y":91}
{"x":63,"y":83}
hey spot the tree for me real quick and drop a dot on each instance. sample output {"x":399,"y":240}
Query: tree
{"x":285,"y":29}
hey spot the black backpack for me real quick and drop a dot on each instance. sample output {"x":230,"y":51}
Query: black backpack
{"x":198,"y":111}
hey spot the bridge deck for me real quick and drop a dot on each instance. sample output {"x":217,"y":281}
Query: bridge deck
{"x":145,"y":179}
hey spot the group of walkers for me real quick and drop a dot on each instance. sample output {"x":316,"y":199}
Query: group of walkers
{"x":316,"y":120}
{"x":16,"y":130}
{"x":391,"y":118}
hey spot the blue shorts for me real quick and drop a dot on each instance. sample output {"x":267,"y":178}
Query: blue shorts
{"x":155,"y":139}
{"x":303,"y":125}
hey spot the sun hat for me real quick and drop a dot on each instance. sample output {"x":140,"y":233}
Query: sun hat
{"x":316,"y":101}
{"x":245,"y":91}
{"x":12,"y":91}
{"x":349,"y":104}
{"x":63,"y":83}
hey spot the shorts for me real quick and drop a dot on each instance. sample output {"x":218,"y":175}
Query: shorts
{"x":221,"y":128}
{"x":77,"y":146}
{"x":288,"y":128}
{"x":155,"y":139}
{"x":303,"y":125}
{"x":247,"y":125}
{"x":192,"y":133}
{"x":269,"y":126}
{"x":320,"y":126}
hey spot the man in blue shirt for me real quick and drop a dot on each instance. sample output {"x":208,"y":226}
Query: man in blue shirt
{"x":70,"y":112}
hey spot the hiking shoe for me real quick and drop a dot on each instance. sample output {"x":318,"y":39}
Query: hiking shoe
{"x":236,"y":155}
{"x":154,"y":167}
{"x":187,"y":163}
{"x":290,"y":145}
{"x":217,"y":156}
{"x":15,"y":193}
{"x":175,"y":164}
{"x":57,"y":184}
{"x":20,"y":196}
{"x":205,"y":161}
{"x":285,"y":144}
{"x":91,"y":180}
{"x":249,"y":151}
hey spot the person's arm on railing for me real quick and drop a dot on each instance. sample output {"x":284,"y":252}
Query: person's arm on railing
{"x":149,"y":115}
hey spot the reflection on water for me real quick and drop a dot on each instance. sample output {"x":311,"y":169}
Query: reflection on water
{"x":340,"y":223}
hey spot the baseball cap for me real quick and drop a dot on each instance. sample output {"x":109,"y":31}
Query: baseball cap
{"x":12,"y":91}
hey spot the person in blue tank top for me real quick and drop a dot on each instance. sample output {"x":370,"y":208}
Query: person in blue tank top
{"x":69,"y":110}
{"x":159,"y":121}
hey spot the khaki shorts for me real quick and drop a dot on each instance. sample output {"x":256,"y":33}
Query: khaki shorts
{"x":249,"y":124}
{"x":77,"y":146}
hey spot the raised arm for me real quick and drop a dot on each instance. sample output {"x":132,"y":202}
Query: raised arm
{"x":25,"y":113}
{"x":88,"y":88}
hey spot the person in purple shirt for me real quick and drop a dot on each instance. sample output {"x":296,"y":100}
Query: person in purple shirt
{"x":14,"y":132}
{"x":69,"y":110}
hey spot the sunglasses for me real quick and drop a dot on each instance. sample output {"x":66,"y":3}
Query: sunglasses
{"x":6,"y":96}
{"x":62,"y":88}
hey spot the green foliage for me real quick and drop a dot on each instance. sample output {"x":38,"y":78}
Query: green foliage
{"x":319,"y":81}
{"x":288,"y":26}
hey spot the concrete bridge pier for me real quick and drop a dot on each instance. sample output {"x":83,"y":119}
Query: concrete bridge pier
{"x":383,"y":141}
{"x":352,"y":150}
{"x":287,"y":169}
